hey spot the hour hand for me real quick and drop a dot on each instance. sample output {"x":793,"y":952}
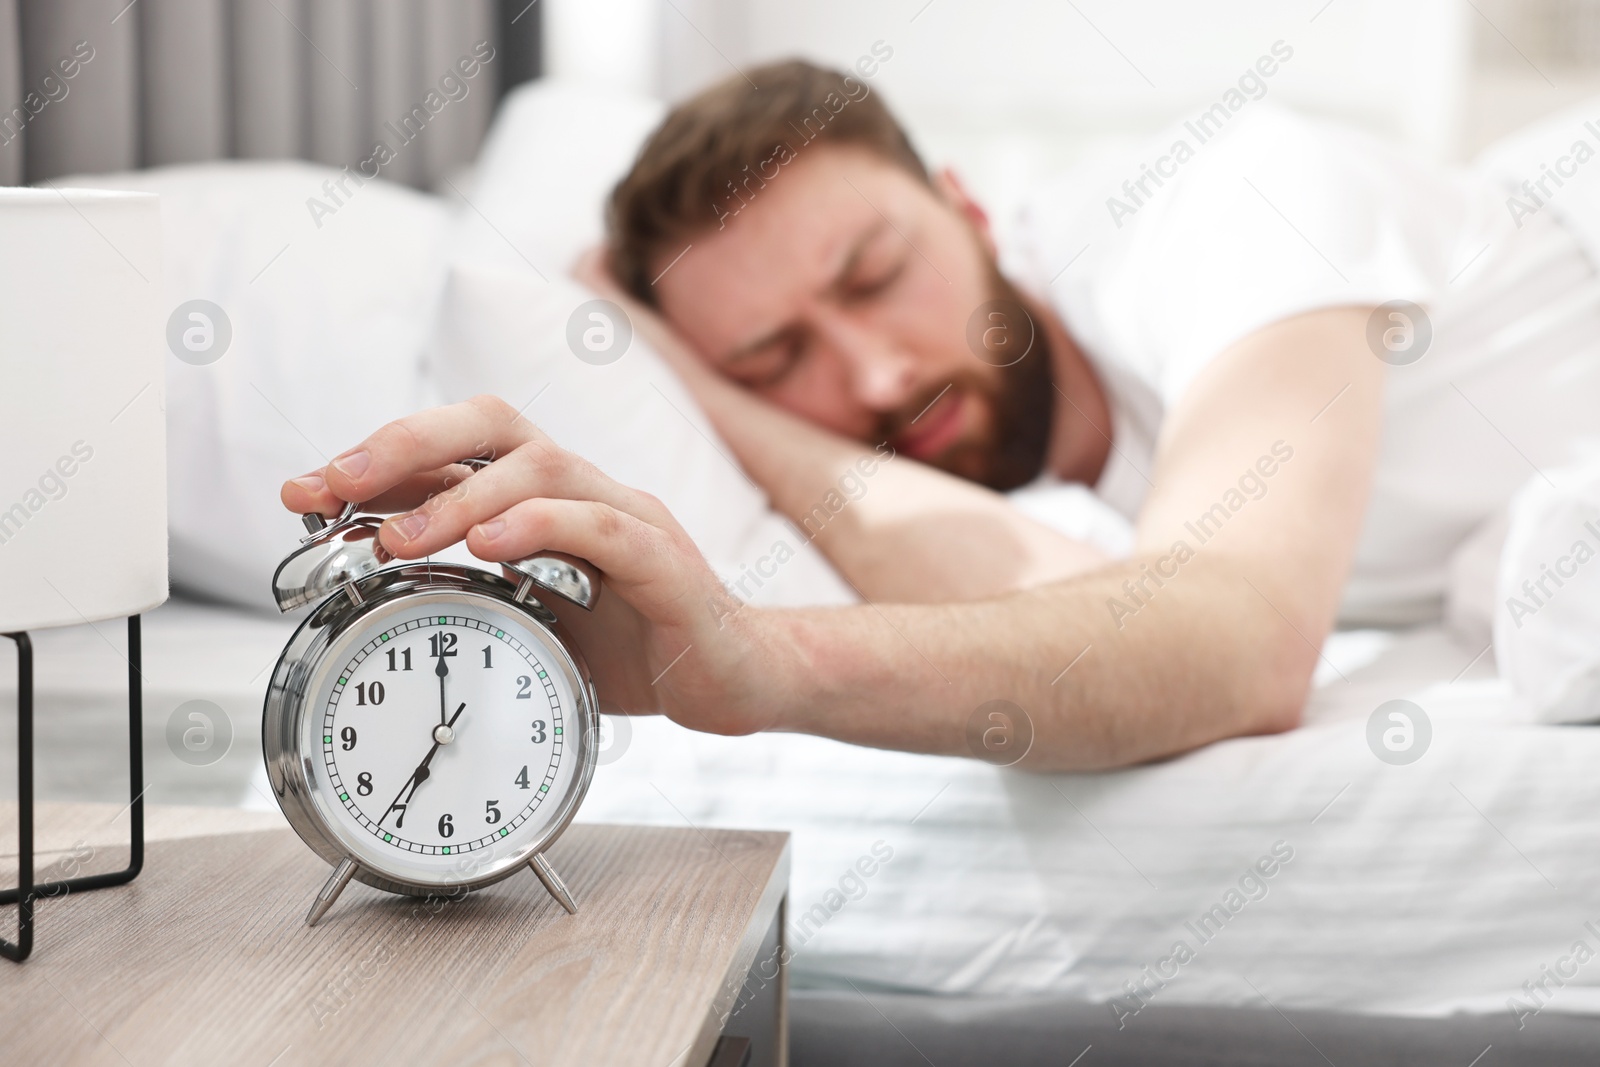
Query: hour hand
{"x":441,"y":736}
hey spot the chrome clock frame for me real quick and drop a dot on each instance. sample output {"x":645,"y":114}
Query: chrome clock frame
{"x":344,"y":565}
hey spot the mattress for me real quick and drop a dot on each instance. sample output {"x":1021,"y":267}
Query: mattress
{"x":1424,"y":888}
{"x":902,"y":1030}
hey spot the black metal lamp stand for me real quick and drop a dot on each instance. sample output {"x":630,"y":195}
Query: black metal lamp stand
{"x":27,"y":892}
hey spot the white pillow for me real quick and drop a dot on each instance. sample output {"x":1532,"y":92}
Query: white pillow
{"x":328,"y":324}
{"x":505,"y":332}
{"x":546,"y":167}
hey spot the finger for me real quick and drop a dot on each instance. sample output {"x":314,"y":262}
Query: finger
{"x":650,"y":567}
{"x":538,"y":468}
{"x":428,"y":440}
{"x":310,"y":493}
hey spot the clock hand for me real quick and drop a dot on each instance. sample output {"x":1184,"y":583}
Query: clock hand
{"x":441,"y":670}
{"x":411,"y":783}
{"x":422,"y":772}
{"x":420,"y":775}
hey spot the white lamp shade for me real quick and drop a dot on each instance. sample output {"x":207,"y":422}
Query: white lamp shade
{"x":83,"y":488}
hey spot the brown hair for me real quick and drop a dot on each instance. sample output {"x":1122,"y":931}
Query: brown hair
{"x":715,"y":151}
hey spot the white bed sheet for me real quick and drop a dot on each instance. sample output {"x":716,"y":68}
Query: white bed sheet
{"x":1421,"y":889}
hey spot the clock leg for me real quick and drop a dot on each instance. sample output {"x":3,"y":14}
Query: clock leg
{"x":330,"y":892}
{"x":552,"y":882}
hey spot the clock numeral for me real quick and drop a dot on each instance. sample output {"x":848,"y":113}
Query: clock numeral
{"x":446,"y":827}
{"x":491,"y":814}
{"x":364,"y":783}
{"x":400,"y":820}
{"x":442,"y":644}
{"x":538,"y":731}
{"x":348,"y":736}
{"x":521,"y":780}
{"x":369,"y":693}
{"x":526,"y":683}
{"x":405,"y":657}
{"x":488,"y":661}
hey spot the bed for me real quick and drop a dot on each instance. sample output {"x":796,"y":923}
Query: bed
{"x":1418,"y":900}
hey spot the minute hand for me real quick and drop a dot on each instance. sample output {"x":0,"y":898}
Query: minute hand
{"x":421,"y":774}
{"x":440,"y":671}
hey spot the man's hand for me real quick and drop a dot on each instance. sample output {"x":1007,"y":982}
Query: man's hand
{"x":665,"y":637}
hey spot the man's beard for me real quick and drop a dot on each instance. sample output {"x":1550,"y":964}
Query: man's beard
{"x":1021,"y":402}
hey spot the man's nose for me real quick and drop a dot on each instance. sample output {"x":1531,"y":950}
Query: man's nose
{"x":881,"y":375}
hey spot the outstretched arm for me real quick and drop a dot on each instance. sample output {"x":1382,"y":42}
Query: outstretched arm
{"x":1223,"y":644}
{"x":1213,"y":629}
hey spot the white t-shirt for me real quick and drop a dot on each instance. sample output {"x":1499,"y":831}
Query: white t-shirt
{"x":1277,"y":214}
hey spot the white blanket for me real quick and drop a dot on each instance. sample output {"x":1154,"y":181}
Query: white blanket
{"x":1426,"y":888}
{"x":1547,"y":610}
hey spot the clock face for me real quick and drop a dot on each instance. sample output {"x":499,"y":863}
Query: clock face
{"x":444,"y":737}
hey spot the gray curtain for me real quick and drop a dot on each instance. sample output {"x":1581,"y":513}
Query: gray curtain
{"x":104,"y":85}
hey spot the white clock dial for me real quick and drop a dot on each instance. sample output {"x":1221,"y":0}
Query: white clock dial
{"x":443,"y":737}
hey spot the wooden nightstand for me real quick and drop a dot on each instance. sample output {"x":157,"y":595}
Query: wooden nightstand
{"x":206,"y":958}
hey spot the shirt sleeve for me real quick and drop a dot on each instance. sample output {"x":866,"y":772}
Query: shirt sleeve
{"x":1272,"y":216}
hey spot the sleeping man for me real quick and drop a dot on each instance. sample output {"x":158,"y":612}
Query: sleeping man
{"x":1307,"y":369}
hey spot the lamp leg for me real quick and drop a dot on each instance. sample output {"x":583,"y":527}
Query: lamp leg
{"x":27,"y":892}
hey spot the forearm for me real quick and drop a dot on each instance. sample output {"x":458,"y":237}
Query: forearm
{"x":1198,"y":658}
{"x":898,"y":530}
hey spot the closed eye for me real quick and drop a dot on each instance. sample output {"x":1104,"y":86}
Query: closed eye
{"x":876,"y":270}
{"x":865,"y":288}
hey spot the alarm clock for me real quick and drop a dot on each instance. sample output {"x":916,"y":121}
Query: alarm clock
{"x":430,"y":729}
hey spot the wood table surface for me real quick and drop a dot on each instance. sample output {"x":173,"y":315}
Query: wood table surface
{"x":206,"y":959}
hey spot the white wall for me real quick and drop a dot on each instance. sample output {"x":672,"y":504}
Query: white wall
{"x":1098,"y":65}
{"x":1008,"y":88}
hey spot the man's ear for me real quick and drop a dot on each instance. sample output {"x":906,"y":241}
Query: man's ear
{"x":954,"y":193}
